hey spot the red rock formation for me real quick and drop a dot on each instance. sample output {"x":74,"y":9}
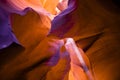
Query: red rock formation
{"x":93,"y":24}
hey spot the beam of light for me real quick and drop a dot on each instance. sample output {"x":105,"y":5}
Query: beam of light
{"x":71,"y":47}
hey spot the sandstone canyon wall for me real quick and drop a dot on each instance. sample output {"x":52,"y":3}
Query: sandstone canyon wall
{"x":93,"y":24}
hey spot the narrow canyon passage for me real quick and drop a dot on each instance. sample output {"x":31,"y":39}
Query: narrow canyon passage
{"x":34,"y":35}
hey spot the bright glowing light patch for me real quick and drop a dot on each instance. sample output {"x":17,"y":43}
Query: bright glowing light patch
{"x":70,"y":45}
{"x":60,"y":0}
{"x":73,"y":49}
